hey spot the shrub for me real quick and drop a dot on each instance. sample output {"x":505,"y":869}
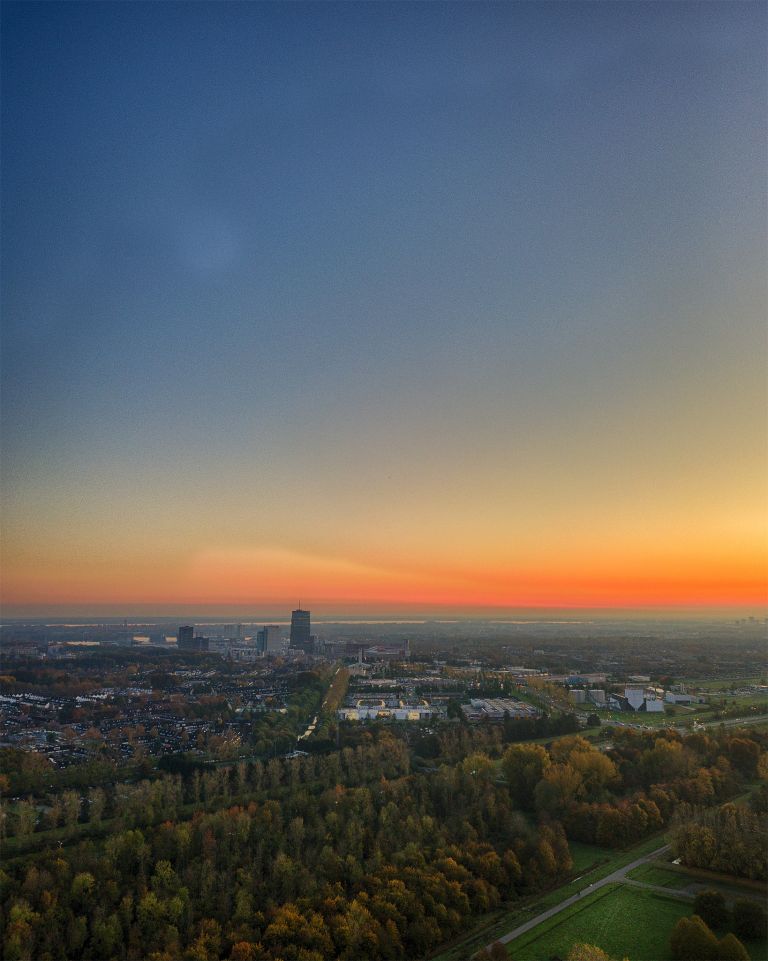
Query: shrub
{"x":749,"y":919}
{"x":711,"y":908}
{"x":587,"y":952}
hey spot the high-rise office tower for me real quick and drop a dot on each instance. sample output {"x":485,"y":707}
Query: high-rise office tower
{"x":300,"y":631}
{"x":269,"y":640}
{"x":187,"y":640}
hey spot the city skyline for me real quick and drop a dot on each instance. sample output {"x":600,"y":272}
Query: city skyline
{"x":394,"y":308}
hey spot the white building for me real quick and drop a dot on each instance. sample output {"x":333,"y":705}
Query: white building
{"x":495,"y":709}
{"x":672,"y":698}
{"x":653,"y":704}
{"x":635,"y":696}
{"x":367,"y":710}
{"x":643,"y":699}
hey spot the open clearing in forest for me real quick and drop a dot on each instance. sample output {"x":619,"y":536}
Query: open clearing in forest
{"x":591,"y":863}
{"x":623,"y":920}
{"x":586,"y":856}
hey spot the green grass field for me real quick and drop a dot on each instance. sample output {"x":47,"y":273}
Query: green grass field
{"x":716,"y":685}
{"x":741,"y":700}
{"x":653,"y":874}
{"x":586,"y":856}
{"x":624,"y":921}
{"x":662,"y":719}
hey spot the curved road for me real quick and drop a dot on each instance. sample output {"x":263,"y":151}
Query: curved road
{"x":617,"y":875}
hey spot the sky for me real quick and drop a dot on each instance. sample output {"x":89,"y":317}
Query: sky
{"x":384,"y":307}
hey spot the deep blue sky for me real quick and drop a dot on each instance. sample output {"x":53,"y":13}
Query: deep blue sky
{"x":262,"y":260}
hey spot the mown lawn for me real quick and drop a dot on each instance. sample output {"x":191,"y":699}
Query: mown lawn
{"x":586,"y":855}
{"x":745,"y":700}
{"x":624,"y":921}
{"x":662,"y":719}
{"x":716,"y":685}
{"x":651,"y":874}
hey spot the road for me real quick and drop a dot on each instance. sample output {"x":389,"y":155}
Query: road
{"x":310,"y":729}
{"x":736,"y":721}
{"x":617,"y":875}
{"x":313,"y":723}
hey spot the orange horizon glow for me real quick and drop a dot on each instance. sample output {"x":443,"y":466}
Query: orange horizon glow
{"x":277,"y":578}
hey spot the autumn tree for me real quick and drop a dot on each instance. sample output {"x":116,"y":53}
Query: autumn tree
{"x":24,"y":818}
{"x":598,"y":772}
{"x":692,"y":940}
{"x":731,"y":839}
{"x":96,"y":804}
{"x":731,"y":949}
{"x":523,"y":766}
{"x":70,"y":803}
{"x":243,"y":951}
{"x":559,"y":787}
{"x":587,"y":952}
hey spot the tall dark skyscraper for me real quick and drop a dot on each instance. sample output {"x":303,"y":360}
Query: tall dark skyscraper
{"x":300,"y":631}
{"x":187,"y":640}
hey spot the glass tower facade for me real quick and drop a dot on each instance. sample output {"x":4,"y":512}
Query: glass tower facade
{"x":300,"y":631}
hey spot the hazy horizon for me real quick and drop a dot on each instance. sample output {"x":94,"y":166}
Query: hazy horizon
{"x":275,"y":613}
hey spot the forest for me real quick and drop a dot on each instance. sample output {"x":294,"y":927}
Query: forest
{"x":369,"y":851}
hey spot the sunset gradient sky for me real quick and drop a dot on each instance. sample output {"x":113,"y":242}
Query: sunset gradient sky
{"x":384,"y":307}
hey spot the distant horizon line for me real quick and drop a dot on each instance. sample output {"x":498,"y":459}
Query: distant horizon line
{"x":328,"y":612}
